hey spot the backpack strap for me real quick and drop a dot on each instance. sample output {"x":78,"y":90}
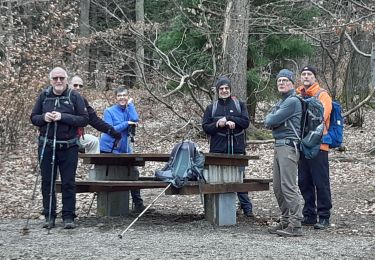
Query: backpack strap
{"x":191,"y":150}
{"x":236,"y":103}
{"x":290,"y":123}
{"x":174,"y":152}
{"x":294,"y":130}
{"x":214,"y":108}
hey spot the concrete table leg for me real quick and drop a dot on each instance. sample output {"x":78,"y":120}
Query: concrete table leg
{"x":220,"y":209}
{"x":113,"y":203}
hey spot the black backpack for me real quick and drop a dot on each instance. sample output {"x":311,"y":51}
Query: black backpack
{"x":66,"y":98}
{"x":185,"y":164}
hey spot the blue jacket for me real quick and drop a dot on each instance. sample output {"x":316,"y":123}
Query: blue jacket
{"x":118,"y":117}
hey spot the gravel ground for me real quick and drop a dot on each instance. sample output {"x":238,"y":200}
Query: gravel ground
{"x":165,"y":237}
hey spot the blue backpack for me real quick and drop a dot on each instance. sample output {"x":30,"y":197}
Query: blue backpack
{"x":335,"y":134}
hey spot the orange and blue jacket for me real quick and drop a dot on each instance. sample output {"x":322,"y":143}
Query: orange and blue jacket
{"x":326,"y":101}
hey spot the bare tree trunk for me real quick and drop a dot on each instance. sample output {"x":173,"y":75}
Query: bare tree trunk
{"x":140,"y":52}
{"x":84,"y":31}
{"x":235,"y":41}
{"x":358,"y":78}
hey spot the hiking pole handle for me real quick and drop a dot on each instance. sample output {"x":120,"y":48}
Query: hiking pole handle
{"x":140,"y":215}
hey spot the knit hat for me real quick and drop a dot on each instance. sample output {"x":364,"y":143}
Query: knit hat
{"x":287,"y":74}
{"x":309,"y":68}
{"x":76,"y":80}
{"x":222,"y":80}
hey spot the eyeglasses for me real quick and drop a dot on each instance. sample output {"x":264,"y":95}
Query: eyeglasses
{"x":77,"y":85}
{"x":282,"y":81}
{"x":58,"y":78}
{"x":224,"y":88}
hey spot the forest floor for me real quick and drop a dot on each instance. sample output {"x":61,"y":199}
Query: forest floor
{"x":177,"y":228}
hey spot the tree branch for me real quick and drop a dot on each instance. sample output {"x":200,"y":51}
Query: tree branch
{"x":182,"y":81}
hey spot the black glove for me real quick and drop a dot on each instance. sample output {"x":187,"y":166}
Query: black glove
{"x":113,"y":133}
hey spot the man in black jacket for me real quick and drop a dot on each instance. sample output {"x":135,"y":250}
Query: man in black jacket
{"x":59,"y":112}
{"x":230,"y":117}
{"x":90,"y":142}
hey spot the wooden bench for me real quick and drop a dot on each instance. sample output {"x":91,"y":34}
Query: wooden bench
{"x":114,"y":179}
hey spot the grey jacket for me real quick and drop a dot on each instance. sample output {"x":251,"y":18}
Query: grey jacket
{"x":287,"y":111}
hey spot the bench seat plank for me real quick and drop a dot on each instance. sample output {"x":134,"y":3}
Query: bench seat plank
{"x":190,"y":188}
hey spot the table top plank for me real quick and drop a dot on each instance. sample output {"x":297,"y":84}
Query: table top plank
{"x":139,"y":159}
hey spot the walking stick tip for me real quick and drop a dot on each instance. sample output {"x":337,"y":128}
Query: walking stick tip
{"x":25,"y":231}
{"x":120,"y":236}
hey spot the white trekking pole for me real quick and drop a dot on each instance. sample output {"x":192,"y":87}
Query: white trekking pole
{"x":140,"y":215}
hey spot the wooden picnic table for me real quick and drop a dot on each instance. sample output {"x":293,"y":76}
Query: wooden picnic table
{"x":114,"y":177}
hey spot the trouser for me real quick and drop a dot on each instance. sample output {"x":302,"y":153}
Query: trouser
{"x":313,"y":181}
{"x":246,"y":205}
{"x":90,"y":143}
{"x":136,"y":194}
{"x":66,"y":160}
{"x":243,"y":197}
{"x":285,"y":188}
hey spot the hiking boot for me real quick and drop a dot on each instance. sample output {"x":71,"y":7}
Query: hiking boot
{"x":323,"y":223}
{"x":290,"y":232}
{"x":69,"y":223}
{"x":274,"y":229}
{"x":249,"y":214}
{"x":138,"y":208}
{"x":49,"y":224}
{"x":308,"y":221}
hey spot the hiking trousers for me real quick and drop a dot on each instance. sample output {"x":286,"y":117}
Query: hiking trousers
{"x":66,"y":160}
{"x":285,"y":188}
{"x":313,"y":181}
{"x":90,"y":143}
{"x":136,"y":194}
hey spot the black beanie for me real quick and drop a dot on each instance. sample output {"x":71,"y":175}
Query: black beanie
{"x":222,"y":80}
{"x":309,"y":68}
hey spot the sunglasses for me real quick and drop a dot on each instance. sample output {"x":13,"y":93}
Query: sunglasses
{"x":77,"y":85}
{"x":58,"y":78}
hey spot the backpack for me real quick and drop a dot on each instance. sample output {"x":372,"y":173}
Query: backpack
{"x":335,"y":134}
{"x":236,"y":103}
{"x":58,"y":100}
{"x":185,"y":164}
{"x":312,"y":125}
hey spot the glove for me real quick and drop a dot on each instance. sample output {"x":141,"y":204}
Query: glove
{"x":113,"y":133}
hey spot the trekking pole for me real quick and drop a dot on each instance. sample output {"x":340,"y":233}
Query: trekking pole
{"x":231,"y":141}
{"x":92,"y":201}
{"x":25,"y":229}
{"x":52,"y":176}
{"x":228,"y":141}
{"x":140,"y":215}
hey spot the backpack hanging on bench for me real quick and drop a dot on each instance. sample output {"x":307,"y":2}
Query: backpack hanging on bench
{"x":185,"y":164}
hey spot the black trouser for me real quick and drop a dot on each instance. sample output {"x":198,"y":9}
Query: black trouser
{"x":66,"y":159}
{"x":313,"y":181}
